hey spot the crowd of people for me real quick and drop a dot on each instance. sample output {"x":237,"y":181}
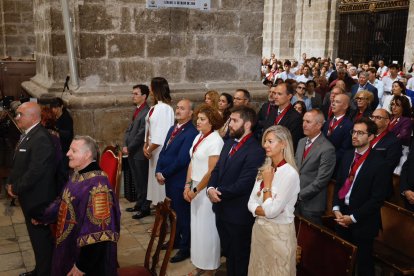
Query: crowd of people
{"x":236,"y":177}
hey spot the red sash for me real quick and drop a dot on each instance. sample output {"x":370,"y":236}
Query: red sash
{"x":150,"y":112}
{"x":378,"y":138}
{"x":393,"y":123}
{"x":202,"y":137}
{"x":330,"y":112}
{"x":239,"y":144}
{"x":176,"y":131}
{"x":358,"y":116}
{"x":333,"y":125}
{"x":138,"y":110}
{"x":281,"y":163}
{"x":281,"y":115}
{"x":305,"y":153}
{"x":268,"y":109}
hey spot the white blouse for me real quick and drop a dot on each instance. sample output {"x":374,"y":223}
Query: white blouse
{"x":210,"y":146}
{"x":285,"y":189}
{"x":157,"y":126}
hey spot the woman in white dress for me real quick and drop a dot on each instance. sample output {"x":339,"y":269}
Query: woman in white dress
{"x":205,"y":241}
{"x":398,"y":88}
{"x":157,"y":123}
{"x":272,"y":202}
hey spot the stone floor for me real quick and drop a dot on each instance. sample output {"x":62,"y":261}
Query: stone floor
{"x":16,"y":254}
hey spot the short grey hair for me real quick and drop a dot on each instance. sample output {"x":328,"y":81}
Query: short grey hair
{"x":90,"y":144}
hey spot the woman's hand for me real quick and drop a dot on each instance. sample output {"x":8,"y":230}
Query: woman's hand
{"x":185,"y":194}
{"x":268,"y":174}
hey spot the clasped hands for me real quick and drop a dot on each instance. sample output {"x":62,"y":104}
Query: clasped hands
{"x":147,"y":153}
{"x":343,"y":220}
{"x":10,"y":191}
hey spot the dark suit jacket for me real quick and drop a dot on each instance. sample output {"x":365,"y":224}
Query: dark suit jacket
{"x":403,"y":130}
{"x":407,"y":177}
{"x":315,"y":171}
{"x":341,"y":137}
{"x":174,"y":158}
{"x":33,"y":174}
{"x":354,"y":112}
{"x":64,"y":125}
{"x":135,"y":135}
{"x":261,"y":119}
{"x":391,"y":149}
{"x":235,"y":177}
{"x":371,"y":89}
{"x":367,"y":195}
{"x":292,"y":121}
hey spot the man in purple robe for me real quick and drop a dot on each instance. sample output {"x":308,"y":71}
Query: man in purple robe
{"x":87,"y":217}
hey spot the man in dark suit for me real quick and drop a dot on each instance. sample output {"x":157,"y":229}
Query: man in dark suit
{"x":363,"y":84}
{"x":229,"y":189}
{"x":265,"y":110}
{"x":315,"y":158}
{"x":171,"y":171}
{"x":32,"y":181}
{"x":133,"y":145}
{"x":359,"y":194}
{"x":338,"y":127}
{"x":284,"y":114}
{"x":407,"y":180}
{"x":386,"y":143}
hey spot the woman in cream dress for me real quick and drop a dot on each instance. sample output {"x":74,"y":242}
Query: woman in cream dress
{"x":272,"y":201}
{"x":205,"y":241}
{"x":157,"y":123}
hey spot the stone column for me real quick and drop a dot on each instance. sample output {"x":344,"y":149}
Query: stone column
{"x":120,"y":43}
{"x":409,"y":39}
{"x":317,"y":28}
{"x":279,"y":28}
{"x":2,"y":34}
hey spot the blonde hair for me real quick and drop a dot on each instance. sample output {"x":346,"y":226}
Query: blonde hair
{"x":366,"y":94}
{"x":282,"y":134}
{"x":214,"y":97}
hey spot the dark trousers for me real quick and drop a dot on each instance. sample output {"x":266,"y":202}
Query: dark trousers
{"x":42,"y":243}
{"x":235,"y":240}
{"x":183,"y":211}
{"x":365,"y":259}
{"x":139,"y":172}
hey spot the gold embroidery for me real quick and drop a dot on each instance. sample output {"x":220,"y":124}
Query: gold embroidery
{"x":98,"y":237}
{"x":65,"y":206}
{"x":76,"y":177}
{"x":100,"y":201}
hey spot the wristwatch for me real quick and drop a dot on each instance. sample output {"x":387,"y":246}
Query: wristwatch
{"x":265,"y":190}
{"x":195,"y":190}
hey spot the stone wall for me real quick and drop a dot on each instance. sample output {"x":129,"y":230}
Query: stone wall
{"x":17,"y":29}
{"x":2,"y":34}
{"x":119,"y":43}
{"x":409,"y":39}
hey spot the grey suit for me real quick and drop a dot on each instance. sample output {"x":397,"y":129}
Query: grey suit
{"x":138,"y":163}
{"x":315,"y":171}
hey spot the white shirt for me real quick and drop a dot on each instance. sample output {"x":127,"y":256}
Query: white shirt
{"x":285,"y":189}
{"x":387,"y":80}
{"x":303,"y":78}
{"x":381,"y":71}
{"x":157,"y":126}
{"x":379,"y":85}
{"x":286,"y":76}
{"x":410,"y":84}
{"x":210,"y":146}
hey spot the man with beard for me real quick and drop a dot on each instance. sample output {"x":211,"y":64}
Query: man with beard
{"x":230,"y":186}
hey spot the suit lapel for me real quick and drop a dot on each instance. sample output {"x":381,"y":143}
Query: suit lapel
{"x":315,"y":148}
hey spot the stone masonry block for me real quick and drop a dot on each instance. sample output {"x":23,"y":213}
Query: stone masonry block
{"x":11,"y":17}
{"x":205,"y":45}
{"x":249,"y":70}
{"x":170,"y":69}
{"x":251,"y":22}
{"x":210,"y":69}
{"x":9,"y":5}
{"x":254,"y":45}
{"x":181,"y":45}
{"x":230,"y":46}
{"x":105,"y":69}
{"x":56,"y":19}
{"x":231,"y":4}
{"x":201,"y":22}
{"x":25,"y":29}
{"x":126,"y":20}
{"x":110,"y":124}
{"x":159,"y":46}
{"x":152,"y":21}
{"x":58,"y":44}
{"x":24,"y":6}
{"x":126,"y":45}
{"x":10,"y":29}
{"x":12,"y":51}
{"x":26,"y":50}
{"x":136,"y":71}
{"x":83,"y":122}
{"x":253,"y":5}
{"x":179,"y":20}
{"x":94,"y":18}
{"x":92,"y":45}
{"x":227,"y":22}
{"x":15,"y":40}
{"x":60,"y":68}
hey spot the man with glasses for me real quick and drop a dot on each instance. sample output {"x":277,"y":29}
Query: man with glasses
{"x":385,"y":142}
{"x":32,"y":180}
{"x":133,"y":147}
{"x":360,"y":192}
{"x":241,"y":97}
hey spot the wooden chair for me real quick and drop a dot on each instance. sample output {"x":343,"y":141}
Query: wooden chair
{"x":111,"y":164}
{"x":322,"y":252}
{"x":163,"y":213}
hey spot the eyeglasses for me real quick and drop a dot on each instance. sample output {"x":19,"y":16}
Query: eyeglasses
{"x":359,"y":133}
{"x":379,"y":118}
{"x":301,"y":87}
{"x":360,"y":99}
{"x":239,"y":99}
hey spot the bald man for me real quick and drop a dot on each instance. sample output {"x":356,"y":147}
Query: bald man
{"x":32,"y":181}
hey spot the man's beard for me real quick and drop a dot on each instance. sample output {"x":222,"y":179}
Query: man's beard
{"x":238,"y":133}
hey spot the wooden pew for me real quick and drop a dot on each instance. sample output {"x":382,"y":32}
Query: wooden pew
{"x":322,"y":252}
{"x":394,"y":247}
{"x":396,"y":196}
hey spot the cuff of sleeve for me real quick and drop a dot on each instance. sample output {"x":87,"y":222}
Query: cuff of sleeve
{"x":353,"y":219}
{"x":253,"y":210}
{"x":208,"y":189}
{"x":336,"y":208}
{"x":266,"y":203}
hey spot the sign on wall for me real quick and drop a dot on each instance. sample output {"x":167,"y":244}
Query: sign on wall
{"x":189,"y":4}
